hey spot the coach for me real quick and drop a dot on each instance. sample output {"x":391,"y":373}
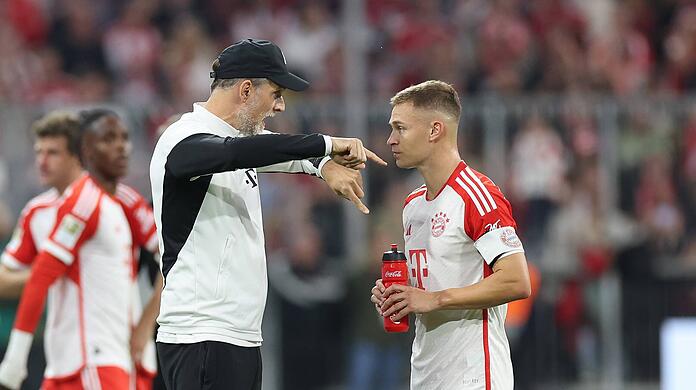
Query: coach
{"x":208,"y":215}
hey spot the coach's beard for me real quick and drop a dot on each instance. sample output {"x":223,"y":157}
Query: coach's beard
{"x":249,"y":126}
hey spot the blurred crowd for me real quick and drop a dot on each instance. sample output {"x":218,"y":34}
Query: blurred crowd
{"x":156,"y":52}
{"x":152,"y":58}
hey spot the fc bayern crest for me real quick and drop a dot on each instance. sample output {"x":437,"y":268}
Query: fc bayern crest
{"x":509,"y":238}
{"x":438,"y":224}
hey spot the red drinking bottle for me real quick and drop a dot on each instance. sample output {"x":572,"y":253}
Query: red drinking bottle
{"x":395,"y":271}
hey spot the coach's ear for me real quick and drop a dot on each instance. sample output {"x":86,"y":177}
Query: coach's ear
{"x":245,"y":90}
{"x":437,"y":131}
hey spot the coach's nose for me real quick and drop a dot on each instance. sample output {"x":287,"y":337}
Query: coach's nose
{"x":279,"y":105}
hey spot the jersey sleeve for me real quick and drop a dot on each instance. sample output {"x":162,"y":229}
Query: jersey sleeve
{"x":205,"y":154}
{"x":488,"y":218}
{"x":143,"y":226}
{"x":46,"y":270}
{"x":76,"y":222}
{"x":21,"y":250}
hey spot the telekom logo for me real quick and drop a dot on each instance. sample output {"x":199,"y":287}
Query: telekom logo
{"x":393,"y":274}
{"x":419,"y":261}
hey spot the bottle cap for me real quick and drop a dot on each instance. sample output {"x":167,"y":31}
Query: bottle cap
{"x":394,"y":254}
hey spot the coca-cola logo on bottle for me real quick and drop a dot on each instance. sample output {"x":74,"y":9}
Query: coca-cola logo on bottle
{"x":393,"y":274}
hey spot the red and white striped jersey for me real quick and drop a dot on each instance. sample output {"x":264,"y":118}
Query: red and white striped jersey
{"x":89,"y":304}
{"x":34,"y":225}
{"x":452,"y":241}
{"x":143,"y":235}
{"x":140,"y":218}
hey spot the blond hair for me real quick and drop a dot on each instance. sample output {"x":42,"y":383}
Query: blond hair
{"x":59,"y":124}
{"x":432,"y":95}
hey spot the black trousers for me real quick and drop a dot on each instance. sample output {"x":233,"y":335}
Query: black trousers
{"x":209,"y":365}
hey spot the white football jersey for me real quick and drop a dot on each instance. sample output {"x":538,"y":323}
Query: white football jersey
{"x":452,"y":241}
{"x":89,"y":308}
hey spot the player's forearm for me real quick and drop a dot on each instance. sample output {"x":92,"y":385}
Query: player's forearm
{"x":497,"y":289}
{"x":12,"y":282}
{"x":151,"y":309}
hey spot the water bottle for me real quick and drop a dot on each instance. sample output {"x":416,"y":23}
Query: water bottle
{"x":395,"y":271}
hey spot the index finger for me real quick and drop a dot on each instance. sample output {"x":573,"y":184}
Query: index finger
{"x":356,"y":201}
{"x":374,"y":157}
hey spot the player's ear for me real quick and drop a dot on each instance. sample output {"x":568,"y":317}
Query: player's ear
{"x":437,"y":131}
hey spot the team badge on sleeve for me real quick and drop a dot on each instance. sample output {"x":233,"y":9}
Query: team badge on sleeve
{"x":509,"y":238}
{"x":69,"y":232}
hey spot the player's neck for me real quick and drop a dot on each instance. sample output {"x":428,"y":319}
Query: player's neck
{"x":73,"y":176}
{"x":438,"y":169}
{"x":107,"y":184}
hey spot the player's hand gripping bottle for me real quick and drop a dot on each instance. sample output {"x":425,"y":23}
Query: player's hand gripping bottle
{"x":395,"y":271}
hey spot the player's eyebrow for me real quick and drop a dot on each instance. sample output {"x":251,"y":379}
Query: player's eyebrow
{"x":396,"y":122}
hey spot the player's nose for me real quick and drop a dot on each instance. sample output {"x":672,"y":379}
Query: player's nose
{"x":392,"y":139}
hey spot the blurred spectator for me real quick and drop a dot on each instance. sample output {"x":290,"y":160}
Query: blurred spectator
{"x":377,"y":358}
{"x":656,"y":206}
{"x":307,"y":41}
{"x":18,"y":65}
{"x":688,"y":172}
{"x":506,"y":47}
{"x":76,"y":35}
{"x":621,"y":59}
{"x":645,"y":134}
{"x":537,"y":170}
{"x":187,"y":62}
{"x":582,"y":241}
{"x":680,"y":49}
{"x":6,"y":222}
{"x":28,"y":19}
{"x":132,"y":49}
{"x":311,"y":289}
{"x":258,"y":18}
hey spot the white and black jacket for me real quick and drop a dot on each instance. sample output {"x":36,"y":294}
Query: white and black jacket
{"x":208,"y":214}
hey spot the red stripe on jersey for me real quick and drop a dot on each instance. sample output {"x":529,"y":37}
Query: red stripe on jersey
{"x":128,"y":195}
{"x":87,"y":199}
{"x":485,"y":206}
{"x":414,"y":195}
{"x":486,"y":352}
{"x":74,"y":275}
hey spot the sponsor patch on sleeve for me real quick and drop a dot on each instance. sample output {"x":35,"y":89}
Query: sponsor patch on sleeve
{"x":69,"y":232}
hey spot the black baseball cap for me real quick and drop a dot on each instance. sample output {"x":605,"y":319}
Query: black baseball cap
{"x":254,"y":58}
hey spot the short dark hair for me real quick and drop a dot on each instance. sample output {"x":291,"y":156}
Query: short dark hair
{"x":229,"y":83}
{"x":60,"y":124}
{"x":431,"y":94}
{"x":88,"y":117}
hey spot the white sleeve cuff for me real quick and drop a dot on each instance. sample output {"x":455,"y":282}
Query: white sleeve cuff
{"x":13,"y":369}
{"x":152,"y":244}
{"x":321,"y":165}
{"x":329,"y":145}
{"x":498,"y":242}
{"x":58,"y":252}
{"x":12,"y":262}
